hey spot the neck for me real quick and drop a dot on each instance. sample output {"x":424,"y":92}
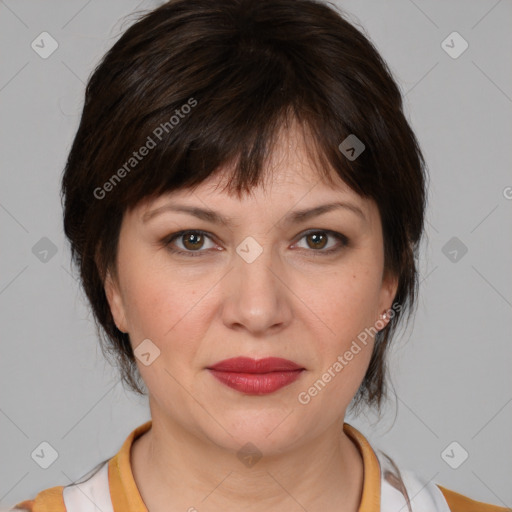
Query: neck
{"x":173,"y":466}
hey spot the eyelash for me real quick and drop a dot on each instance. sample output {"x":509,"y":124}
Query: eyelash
{"x":167,"y":241}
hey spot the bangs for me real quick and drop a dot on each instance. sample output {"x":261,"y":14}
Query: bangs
{"x":189,"y":142}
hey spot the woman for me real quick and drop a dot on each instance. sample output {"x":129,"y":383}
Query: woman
{"x":245,"y":200}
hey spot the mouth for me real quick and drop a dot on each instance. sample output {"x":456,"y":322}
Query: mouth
{"x":256,"y":377}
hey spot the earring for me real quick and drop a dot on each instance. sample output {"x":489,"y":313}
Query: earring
{"x":384,"y":316}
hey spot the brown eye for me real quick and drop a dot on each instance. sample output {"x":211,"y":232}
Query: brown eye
{"x":189,"y":243}
{"x":324,"y":242}
{"x":193,"y":240}
{"x":317,"y":240}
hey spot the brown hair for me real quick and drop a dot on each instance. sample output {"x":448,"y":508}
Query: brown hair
{"x":205,"y":84}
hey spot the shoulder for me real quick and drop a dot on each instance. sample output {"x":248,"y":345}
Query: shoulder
{"x":94,"y":487}
{"x":459,"y":503}
{"x":427,"y":496}
{"x":49,"y":500}
{"x":401,"y":489}
{"x":75,"y":497}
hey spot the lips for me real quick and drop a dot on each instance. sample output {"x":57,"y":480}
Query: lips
{"x":256,"y":377}
{"x":248,"y":365}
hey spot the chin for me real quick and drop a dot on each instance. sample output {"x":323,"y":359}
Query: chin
{"x":269,"y":431}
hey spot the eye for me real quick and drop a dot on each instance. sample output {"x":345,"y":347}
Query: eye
{"x":318,"y":241}
{"x":192,"y":241}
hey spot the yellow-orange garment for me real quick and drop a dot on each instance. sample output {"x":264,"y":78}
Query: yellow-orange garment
{"x":125,"y":495}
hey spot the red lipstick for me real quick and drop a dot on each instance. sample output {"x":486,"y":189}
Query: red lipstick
{"x":256,"y":377}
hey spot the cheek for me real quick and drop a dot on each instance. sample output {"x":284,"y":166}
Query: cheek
{"x":345,"y":307}
{"x":163,"y":311}
{"x":344,"y":301}
{"x":164,"y":304}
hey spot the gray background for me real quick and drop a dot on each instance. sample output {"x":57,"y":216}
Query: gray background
{"x":451,"y":368}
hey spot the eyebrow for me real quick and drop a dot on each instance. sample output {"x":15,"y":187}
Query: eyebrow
{"x":216,"y":218}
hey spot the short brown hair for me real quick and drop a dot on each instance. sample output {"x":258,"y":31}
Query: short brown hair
{"x":244,"y":68}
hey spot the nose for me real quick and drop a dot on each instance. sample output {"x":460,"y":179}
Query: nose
{"x":256,"y":295}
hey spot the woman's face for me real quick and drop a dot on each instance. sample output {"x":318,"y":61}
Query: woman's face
{"x":269,"y":284}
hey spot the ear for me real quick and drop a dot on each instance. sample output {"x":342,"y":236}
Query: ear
{"x":387,"y":294}
{"x":115,"y":302}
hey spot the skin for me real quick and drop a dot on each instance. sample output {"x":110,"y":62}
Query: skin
{"x":291,"y":302}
